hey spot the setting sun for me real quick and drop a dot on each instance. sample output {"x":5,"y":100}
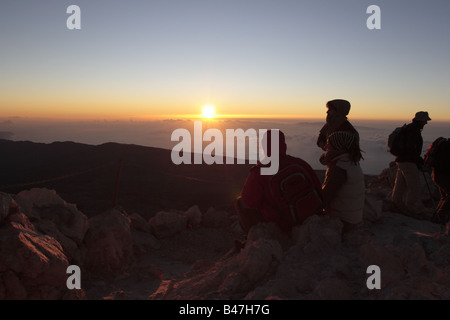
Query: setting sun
{"x":208,"y":111}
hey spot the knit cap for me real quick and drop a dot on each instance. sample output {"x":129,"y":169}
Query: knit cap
{"x":342,"y":140}
{"x":341,"y":106}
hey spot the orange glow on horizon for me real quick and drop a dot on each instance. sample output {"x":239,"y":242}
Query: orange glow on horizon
{"x":174,"y":116}
{"x":145,"y":111}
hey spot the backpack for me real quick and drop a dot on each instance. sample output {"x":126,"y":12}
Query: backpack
{"x":295,"y":194}
{"x":438,"y":153}
{"x":395,"y":142}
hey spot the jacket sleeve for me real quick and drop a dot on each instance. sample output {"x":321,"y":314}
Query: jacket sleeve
{"x":252,"y":194}
{"x":322,"y":139}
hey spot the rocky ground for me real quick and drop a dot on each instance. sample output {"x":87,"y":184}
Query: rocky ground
{"x":194,"y":255}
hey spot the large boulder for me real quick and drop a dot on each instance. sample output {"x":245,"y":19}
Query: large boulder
{"x":167,"y":223}
{"x":318,"y":234}
{"x":45,"y":204}
{"x":141,"y":232}
{"x":239,"y":271}
{"x":108,"y":243}
{"x":39,"y":197}
{"x":139,"y":223}
{"x":194,"y":216}
{"x":70,"y":247}
{"x":7,"y":206}
{"x":258,"y":258}
{"x":214,"y":218}
{"x":32,"y":265}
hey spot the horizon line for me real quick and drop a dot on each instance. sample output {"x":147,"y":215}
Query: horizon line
{"x":162,"y":117}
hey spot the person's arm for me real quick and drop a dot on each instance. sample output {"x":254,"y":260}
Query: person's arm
{"x":322,"y":139}
{"x":334,"y":180}
{"x":252,"y":192}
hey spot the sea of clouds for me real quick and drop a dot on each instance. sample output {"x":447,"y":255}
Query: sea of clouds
{"x":301,"y":135}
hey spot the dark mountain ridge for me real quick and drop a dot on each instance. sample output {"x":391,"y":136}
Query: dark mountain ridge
{"x":146,"y":179}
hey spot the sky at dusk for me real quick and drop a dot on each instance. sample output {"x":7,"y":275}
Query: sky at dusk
{"x":165,"y":58}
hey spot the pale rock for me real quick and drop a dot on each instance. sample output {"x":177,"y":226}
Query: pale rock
{"x":415,"y":262}
{"x":108,"y":243}
{"x":213,"y":218}
{"x":22,"y":219}
{"x":7,"y":206}
{"x":318,"y":233}
{"x":390,"y":264}
{"x":42,"y":203}
{"x":258,"y":257}
{"x":139,"y":223}
{"x":144,"y":242}
{"x":70,"y":221}
{"x":266,"y":230}
{"x":373,"y":209}
{"x":40,"y":197}
{"x":194,"y":216}
{"x":37,"y":260}
{"x":70,"y":247}
{"x":167,"y":223}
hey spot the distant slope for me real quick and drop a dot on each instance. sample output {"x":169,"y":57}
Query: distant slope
{"x":86,"y":175}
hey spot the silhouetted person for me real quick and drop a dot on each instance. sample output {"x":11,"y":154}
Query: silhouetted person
{"x":336,"y":121}
{"x":286,"y":198}
{"x":437,"y":158}
{"x":406,"y":192}
{"x":344,"y":187}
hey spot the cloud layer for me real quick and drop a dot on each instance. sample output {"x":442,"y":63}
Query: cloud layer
{"x":301,"y":136}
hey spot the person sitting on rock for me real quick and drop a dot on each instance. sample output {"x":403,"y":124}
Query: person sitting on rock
{"x":344,"y":187}
{"x":286,"y":198}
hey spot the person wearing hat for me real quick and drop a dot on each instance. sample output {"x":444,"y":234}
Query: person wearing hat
{"x":343,"y":188}
{"x":406,"y":192}
{"x":336,"y":120}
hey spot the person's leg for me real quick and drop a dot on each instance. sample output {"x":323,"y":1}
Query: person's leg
{"x":413,"y":201}
{"x":443,"y":208}
{"x":399,"y":189}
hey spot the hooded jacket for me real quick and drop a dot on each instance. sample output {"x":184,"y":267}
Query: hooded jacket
{"x":256,"y":191}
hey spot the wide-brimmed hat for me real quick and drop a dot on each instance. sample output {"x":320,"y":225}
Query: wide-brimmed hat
{"x":422,"y":116}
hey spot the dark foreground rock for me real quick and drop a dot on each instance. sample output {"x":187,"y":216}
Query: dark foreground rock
{"x":319,"y":264}
{"x":204,"y":255}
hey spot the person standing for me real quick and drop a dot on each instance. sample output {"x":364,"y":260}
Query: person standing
{"x":336,"y":120}
{"x":344,"y":187}
{"x":406,"y":192}
{"x":437,"y":158}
